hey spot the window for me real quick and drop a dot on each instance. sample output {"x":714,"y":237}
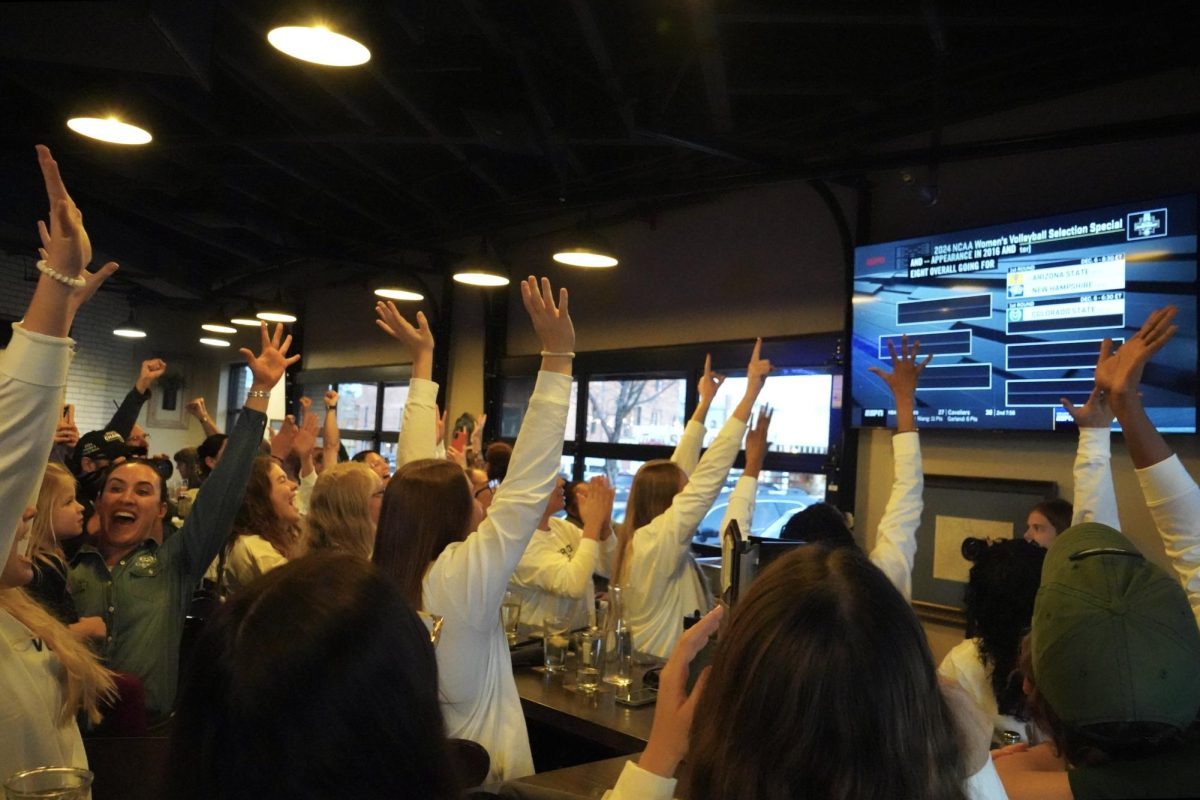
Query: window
{"x":368,"y":415}
{"x":629,"y":407}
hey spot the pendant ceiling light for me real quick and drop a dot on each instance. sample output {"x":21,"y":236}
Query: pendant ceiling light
{"x":245,"y":317}
{"x":109,"y":129}
{"x":586,"y":248}
{"x":482,"y":269}
{"x":212,"y":341}
{"x":130,"y":329}
{"x":218,"y":327}
{"x":276,"y":311}
{"x":317,"y":44}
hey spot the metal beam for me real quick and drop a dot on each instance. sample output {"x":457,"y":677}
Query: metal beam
{"x":560,"y":151}
{"x":712,"y":64}
{"x":595,"y":42}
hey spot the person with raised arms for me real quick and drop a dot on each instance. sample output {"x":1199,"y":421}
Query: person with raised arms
{"x":449,"y":560}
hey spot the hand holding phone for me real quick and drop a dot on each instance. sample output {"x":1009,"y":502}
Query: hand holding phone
{"x":460,"y":440}
{"x":68,"y":414}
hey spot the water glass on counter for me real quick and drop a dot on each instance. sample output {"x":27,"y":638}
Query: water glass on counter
{"x":555,"y":640}
{"x":510,"y":616}
{"x":590,"y":649}
{"x":60,"y":783}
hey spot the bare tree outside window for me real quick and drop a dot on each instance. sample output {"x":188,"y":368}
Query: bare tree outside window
{"x":617,"y":406}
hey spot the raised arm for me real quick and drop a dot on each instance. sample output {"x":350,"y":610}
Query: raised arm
{"x":678,"y":523}
{"x":418,"y":428}
{"x":741,"y":501}
{"x":331,"y":437}
{"x":197,"y":409}
{"x":896,"y":538}
{"x":125,"y":417}
{"x":207,"y":526}
{"x":481,"y":565}
{"x":1171,"y":494}
{"x":687,"y":452}
{"x":1095,"y":498}
{"x":33,"y":369}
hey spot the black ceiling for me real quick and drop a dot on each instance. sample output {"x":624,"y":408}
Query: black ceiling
{"x":474,"y":116}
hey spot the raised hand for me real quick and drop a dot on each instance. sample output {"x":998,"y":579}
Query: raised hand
{"x":595,"y":505}
{"x":756,"y":442}
{"x":906,"y":370}
{"x":710,"y":381}
{"x":152,"y":370}
{"x":551,"y":322}
{"x":66,"y":434}
{"x":196,"y":408}
{"x":1119,"y":373}
{"x":757,"y":370}
{"x":65,"y":244}
{"x":283,"y":441}
{"x":306,"y":437}
{"x":67,"y":250}
{"x":675,"y":707}
{"x":393,"y":323}
{"x":418,"y":339}
{"x":331,"y":398}
{"x":456,"y":456}
{"x":1095,"y":413}
{"x":272,"y":361}
{"x":477,"y":433}
{"x":439,"y":426}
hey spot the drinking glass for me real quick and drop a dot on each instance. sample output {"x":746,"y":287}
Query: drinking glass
{"x":590,"y":646}
{"x":554,"y":642}
{"x":510,"y":616}
{"x":60,"y":783}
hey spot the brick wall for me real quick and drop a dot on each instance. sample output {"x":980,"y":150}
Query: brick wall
{"x":103,"y":368}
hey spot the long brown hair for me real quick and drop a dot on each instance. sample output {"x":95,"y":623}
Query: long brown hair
{"x":427,"y":506}
{"x":257,"y":514}
{"x":338,"y":514}
{"x":654,"y":487}
{"x":86,"y":683}
{"x":825,"y":669}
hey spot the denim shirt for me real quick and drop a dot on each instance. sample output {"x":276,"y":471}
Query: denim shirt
{"x":144,"y":597}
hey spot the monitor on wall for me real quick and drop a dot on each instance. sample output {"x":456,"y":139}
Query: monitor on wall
{"x":1014,"y":315}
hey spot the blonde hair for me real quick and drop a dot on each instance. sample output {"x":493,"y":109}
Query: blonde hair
{"x":86,"y":684}
{"x":654,"y":489}
{"x":56,"y":481}
{"x":338,"y":518}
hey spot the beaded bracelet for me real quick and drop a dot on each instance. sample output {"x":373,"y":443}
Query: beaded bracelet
{"x":74,"y":283}
{"x":548,"y":354}
{"x":264,"y":393}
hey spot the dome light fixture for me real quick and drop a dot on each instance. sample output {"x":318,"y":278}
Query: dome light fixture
{"x":129,"y":329}
{"x":218,"y":327}
{"x":390,"y":292}
{"x":586,"y":248}
{"x":317,"y":44}
{"x":482,"y":268}
{"x":213,"y":341}
{"x":276,"y":315}
{"x":109,"y":129}
{"x":245,"y":318}
{"x":480,"y":277}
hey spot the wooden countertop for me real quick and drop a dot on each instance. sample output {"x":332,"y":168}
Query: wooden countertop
{"x":597,"y":717}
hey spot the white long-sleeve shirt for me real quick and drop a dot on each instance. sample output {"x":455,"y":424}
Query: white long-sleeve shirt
{"x":662,"y":582}
{"x":33,"y":373}
{"x":1174,"y":502}
{"x":466,"y":585}
{"x":687,"y":450}
{"x":418,"y":425}
{"x":554,"y":576}
{"x":1095,"y":498}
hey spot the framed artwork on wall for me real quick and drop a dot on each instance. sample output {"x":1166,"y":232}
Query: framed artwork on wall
{"x":957,"y":508}
{"x":166,"y":407}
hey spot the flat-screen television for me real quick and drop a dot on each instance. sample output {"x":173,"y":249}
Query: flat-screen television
{"x":1014,"y":314}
